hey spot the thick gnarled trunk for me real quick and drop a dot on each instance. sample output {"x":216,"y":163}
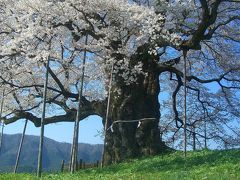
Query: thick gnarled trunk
{"x":129,"y":139}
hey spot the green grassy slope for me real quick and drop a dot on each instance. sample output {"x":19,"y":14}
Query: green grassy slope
{"x":198,"y":165}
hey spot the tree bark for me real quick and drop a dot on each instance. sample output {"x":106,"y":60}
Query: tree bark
{"x":138,"y":101}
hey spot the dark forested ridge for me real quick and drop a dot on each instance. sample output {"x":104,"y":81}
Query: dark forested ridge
{"x":54,"y":152}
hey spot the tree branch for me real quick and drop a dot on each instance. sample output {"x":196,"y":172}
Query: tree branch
{"x":94,"y":108}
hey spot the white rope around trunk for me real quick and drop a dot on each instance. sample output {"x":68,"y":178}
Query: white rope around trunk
{"x":130,"y":121}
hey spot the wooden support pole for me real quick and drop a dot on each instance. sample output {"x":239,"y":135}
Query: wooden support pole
{"x":194,"y":139}
{"x":2,"y":123}
{"x":80,"y":164}
{"x":107,"y":114}
{"x":69,"y":166}
{"x":39,"y":168}
{"x":185,"y":103}
{"x":173,"y":141}
{"x":71,"y":153}
{"x":62,"y":165}
{"x":205,"y":133}
{"x":20,"y":147}
{"x":1,"y":138}
{"x":77,"y":165}
{"x":74,"y":150}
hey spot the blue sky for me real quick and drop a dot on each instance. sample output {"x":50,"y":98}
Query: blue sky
{"x":63,"y":132}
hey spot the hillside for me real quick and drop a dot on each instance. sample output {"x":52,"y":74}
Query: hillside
{"x":53,"y":153}
{"x":198,"y":165}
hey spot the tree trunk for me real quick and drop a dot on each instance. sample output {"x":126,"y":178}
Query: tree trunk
{"x":138,"y":101}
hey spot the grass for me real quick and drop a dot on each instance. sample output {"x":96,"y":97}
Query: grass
{"x":216,"y":165}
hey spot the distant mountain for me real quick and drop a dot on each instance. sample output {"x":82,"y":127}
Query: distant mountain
{"x":53,"y":153}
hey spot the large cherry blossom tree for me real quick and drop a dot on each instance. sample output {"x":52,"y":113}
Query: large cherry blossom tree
{"x":133,"y":37}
